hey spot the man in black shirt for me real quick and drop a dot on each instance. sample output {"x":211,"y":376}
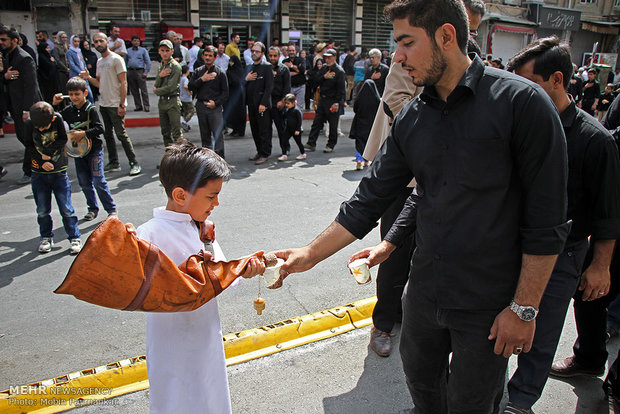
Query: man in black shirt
{"x":593,"y":206}
{"x":591,"y":92}
{"x":490,"y":224}
{"x":297,"y":66}
{"x":281,"y":88}
{"x":331,"y":81}
{"x":575,"y":87}
{"x":209,"y":86}
{"x":349,"y":70}
{"x":377,"y":70}
{"x":259,"y":83}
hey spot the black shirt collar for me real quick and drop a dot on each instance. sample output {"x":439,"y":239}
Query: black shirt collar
{"x":569,"y":114}
{"x":467,"y":84}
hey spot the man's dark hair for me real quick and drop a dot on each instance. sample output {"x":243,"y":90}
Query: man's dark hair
{"x":41,"y":114}
{"x":190,"y":167}
{"x":198,"y":39}
{"x":11,"y":33}
{"x":352,"y":48}
{"x":232,"y":36}
{"x":135,"y":37}
{"x":475,"y":6}
{"x":221,"y":43}
{"x":211,"y":49}
{"x":76,"y":84}
{"x":261,"y":45}
{"x":43,"y":32}
{"x":549,"y":57}
{"x":430,"y":15}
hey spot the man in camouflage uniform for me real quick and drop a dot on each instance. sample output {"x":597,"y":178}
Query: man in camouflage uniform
{"x":167,"y":88}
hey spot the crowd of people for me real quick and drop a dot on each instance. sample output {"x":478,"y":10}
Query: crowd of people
{"x":513,"y":215}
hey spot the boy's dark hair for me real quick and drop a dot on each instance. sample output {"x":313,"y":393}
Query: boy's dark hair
{"x":430,"y":15}
{"x":76,"y":84}
{"x":549,"y":56}
{"x":11,"y":33}
{"x":290,"y":97}
{"x":135,"y":37}
{"x":190,"y":167}
{"x":184,"y":69}
{"x":41,"y":114}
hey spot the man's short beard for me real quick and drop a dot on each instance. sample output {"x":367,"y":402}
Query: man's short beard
{"x":437,"y":69}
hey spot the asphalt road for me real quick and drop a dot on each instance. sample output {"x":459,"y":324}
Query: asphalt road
{"x":265,"y":207}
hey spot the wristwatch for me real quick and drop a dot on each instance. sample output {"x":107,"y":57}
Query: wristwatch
{"x":525,"y":313}
{"x":121,"y":105}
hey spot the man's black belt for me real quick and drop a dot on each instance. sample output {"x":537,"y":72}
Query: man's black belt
{"x":169,"y":97}
{"x":135,"y":68}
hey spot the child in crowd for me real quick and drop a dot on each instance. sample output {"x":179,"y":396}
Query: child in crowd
{"x":292,"y":128}
{"x":187,"y":107}
{"x":605,"y":100}
{"x":85,"y":123}
{"x":45,"y":138}
{"x":185,"y":353}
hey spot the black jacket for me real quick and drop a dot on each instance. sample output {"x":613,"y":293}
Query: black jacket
{"x":281,"y":83}
{"x":23,"y":91}
{"x":216,"y":89}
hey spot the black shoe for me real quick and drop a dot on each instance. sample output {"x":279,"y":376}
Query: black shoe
{"x":309,"y":147}
{"x":254,"y":158}
{"x":513,"y":409}
{"x":138,"y":110}
{"x":3,"y":172}
{"x":567,"y":367}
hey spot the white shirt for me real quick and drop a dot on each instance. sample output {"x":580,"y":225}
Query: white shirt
{"x":185,"y":54}
{"x":121,"y":49}
{"x":184,"y":350}
{"x":108,"y":69}
{"x":193,"y":55}
{"x":222,"y":61}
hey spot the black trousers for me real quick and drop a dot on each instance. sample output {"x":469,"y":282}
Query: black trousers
{"x":322,"y":115}
{"x":287,"y":136}
{"x":394,"y":272}
{"x":591,"y":320}
{"x":20,"y":131}
{"x":278,"y":122}
{"x":260,"y":125}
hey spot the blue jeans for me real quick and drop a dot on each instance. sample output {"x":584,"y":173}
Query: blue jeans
{"x":91,"y":178}
{"x":43,"y":185}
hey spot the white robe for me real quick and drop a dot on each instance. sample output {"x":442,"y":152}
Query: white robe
{"x":184,"y":350}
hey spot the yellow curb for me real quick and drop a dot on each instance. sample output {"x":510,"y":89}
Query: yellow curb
{"x":99,"y":385}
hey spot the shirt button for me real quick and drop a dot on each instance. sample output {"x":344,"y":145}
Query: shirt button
{"x":437,"y":257}
{"x":437,"y":220}
{"x":445,"y":112}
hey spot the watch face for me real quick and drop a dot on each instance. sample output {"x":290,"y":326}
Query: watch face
{"x":528,"y":314}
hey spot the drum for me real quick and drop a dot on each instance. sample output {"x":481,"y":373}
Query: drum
{"x":77,"y":149}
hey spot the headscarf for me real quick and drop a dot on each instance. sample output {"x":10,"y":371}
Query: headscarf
{"x":59,"y":41}
{"x":75,"y":49}
{"x":235,"y":70}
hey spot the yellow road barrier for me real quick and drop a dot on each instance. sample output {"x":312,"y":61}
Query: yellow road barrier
{"x":99,"y":385}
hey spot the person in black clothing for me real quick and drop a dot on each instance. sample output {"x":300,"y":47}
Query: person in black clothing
{"x":365,"y":108}
{"x":377,"y":71}
{"x":331,"y":80}
{"x":605,"y":101}
{"x":575,"y":87}
{"x":235,"y":112}
{"x":297,"y":66}
{"x":48,"y":79}
{"x":281,"y":88}
{"x":486,"y":240}
{"x":23,"y":43}
{"x":90,"y":58}
{"x":593,"y":195}
{"x":259,"y":83}
{"x":209,"y":86}
{"x":591,"y":93}
{"x":292,"y":127}
{"x":349,"y":70}
{"x":20,"y":78}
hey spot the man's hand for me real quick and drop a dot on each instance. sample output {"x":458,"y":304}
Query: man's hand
{"x":254,"y":267}
{"x":210,"y":104}
{"x":121,"y":111}
{"x":376,"y":254}
{"x":280,"y":104}
{"x":84,"y":75}
{"x":165,"y":72}
{"x":208,"y":76}
{"x":511,"y":334}
{"x":144,"y":75}
{"x":595,"y":282}
{"x":334,"y":107}
{"x":296,"y":260}
{"x":329,"y":75}
{"x":47,"y":166}
{"x":262,"y":108}
{"x":251,"y":76}
{"x":375,"y":75}
{"x":11,"y":74}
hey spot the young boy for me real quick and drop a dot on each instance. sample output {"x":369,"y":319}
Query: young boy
{"x":292,"y":128}
{"x":187,"y":107}
{"x":84,"y":121}
{"x":605,"y":101}
{"x":46,"y":137}
{"x":185,"y":353}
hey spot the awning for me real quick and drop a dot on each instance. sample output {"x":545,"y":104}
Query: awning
{"x":493,"y":17}
{"x":610,"y":28}
{"x":184,"y":28}
{"x":509,"y":29}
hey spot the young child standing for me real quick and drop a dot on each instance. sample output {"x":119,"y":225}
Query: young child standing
{"x":605,"y":100}
{"x":185,"y":352}
{"x":45,"y":138}
{"x":84,"y":121}
{"x":292,"y":128}
{"x":187,"y":107}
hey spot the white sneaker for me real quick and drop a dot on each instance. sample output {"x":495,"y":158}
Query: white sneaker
{"x":46,"y":245}
{"x":283,"y":157}
{"x":301,"y":156}
{"x":76,"y":246}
